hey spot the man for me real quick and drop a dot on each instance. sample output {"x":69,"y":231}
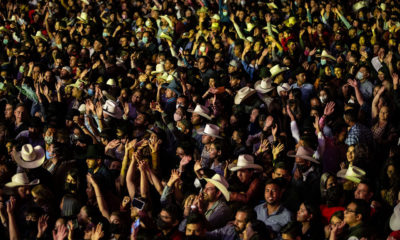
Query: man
{"x":272,"y":213}
{"x":235,"y":230}
{"x":167,"y":223}
{"x":196,"y":226}
{"x":306,"y":175}
{"x":357,"y":132}
{"x":306,"y":88}
{"x":355,"y":216}
{"x":291,"y":231}
{"x":365,"y":86}
{"x":95,"y":166}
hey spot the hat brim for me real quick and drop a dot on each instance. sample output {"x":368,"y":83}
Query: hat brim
{"x":258,"y":88}
{"x":249,"y":166}
{"x":238,"y":99}
{"x":40,"y":157}
{"x":327,"y":56}
{"x":165,"y":36}
{"x":35,"y":37}
{"x":342,"y":174}
{"x":220,"y":187}
{"x":156,"y":72}
{"x":201,"y":132}
{"x":114,"y":115}
{"x":305,"y":157}
{"x":200,"y":113}
{"x":14,"y":184}
{"x":279,"y":72}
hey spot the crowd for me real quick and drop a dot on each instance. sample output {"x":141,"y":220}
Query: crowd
{"x":196,"y":119}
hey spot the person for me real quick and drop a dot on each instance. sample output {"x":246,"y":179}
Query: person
{"x":196,"y":226}
{"x":168,"y":222}
{"x":309,"y":217}
{"x":272,"y":213}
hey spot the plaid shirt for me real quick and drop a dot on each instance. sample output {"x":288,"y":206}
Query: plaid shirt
{"x":359,"y":133}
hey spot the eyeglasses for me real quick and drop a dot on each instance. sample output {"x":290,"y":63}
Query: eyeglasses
{"x":350,"y":210}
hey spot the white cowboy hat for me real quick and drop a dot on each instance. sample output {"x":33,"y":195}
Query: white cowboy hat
{"x":275,"y":70}
{"x":359,"y":5}
{"x":326,"y":55}
{"x":202,"y":111}
{"x":353,"y":174}
{"x":83,"y":17}
{"x":108,"y":96}
{"x":112,"y":109}
{"x":305,"y":153}
{"x":272,"y":5}
{"x":250,"y":39}
{"x":220,"y":182}
{"x":29,"y":156}
{"x":21,"y":179}
{"x":111,"y":82}
{"x":39,"y":34}
{"x":86,"y":2}
{"x":264,"y":85}
{"x":155,"y":8}
{"x":216,"y":17}
{"x":165,"y":36}
{"x":210,"y":130}
{"x":283,"y":87}
{"x":243,"y":94}
{"x":77,"y":84}
{"x":245,"y":161}
{"x":249,"y":27}
{"x":166,"y":18}
{"x":394,"y":222}
{"x":159,"y":69}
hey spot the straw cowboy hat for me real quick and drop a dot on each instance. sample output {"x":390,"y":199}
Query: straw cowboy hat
{"x":305,"y":153}
{"x":359,"y":5}
{"x":83,"y":17}
{"x":77,"y":84}
{"x":21,"y":179}
{"x":220,"y":182}
{"x":40,"y":35}
{"x":245,"y":161}
{"x":202,"y":111}
{"x":243,"y":94}
{"x":166,"y":18}
{"x":216,"y":17}
{"x":249,"y":27}
{"x":112,"y":109}
{"x":353,"y":174}
{"x":264,"y":85}
{"x":210,"y":130}
{"x":276,"y":70}
{"x":111,"y":82}
{"x":159,"y":69}
{"x":290,"y":22}
{"x":326,"y":55}
{"x":29,"y":156}
{"x":394,"y":222}
{"x":203,"y":10}
{"x":283,"y":87}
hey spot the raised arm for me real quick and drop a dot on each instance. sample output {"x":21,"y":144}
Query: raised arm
{"x":99,"y":197}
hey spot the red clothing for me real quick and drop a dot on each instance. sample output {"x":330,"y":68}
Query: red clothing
{"x":327,"y":212}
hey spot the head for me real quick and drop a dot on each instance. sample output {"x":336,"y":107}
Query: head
{"x":281,"y":171}
{"x":357,"y":212}
{"x":291,"y":231}
{"x":211,"y":192}
{"x":273,"y":192}
{"x":243,"y":216}
{"x":169,"y":217}
{"x":364,"y":191}
{"x":307,"y":213}
{"x":196,"y":225}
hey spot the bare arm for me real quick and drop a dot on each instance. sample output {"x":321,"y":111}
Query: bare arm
{"x":144,"y":184}
{"x":13,"y":231}
{"x":129,"y":177}
{"x":99,"y":197}
{"x":374,"y":110}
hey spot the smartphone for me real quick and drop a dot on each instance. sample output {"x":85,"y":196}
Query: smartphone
{"x":139,"y":204}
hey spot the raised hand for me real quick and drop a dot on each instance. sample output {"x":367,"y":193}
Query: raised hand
{"x":42,"y":225}
{"x":11,"y":205}
{"x":98,"y":232}
{"x":277,"y":149}
{"x":264,"y":146}
{"x":99,"y":110}
{"x":274,"y":130}
{"x":125,"y":201}
{"x":143,"y":166}
{"x":154,"y":143}
{"x":61,"y":232}
{"x":395,"y":78}
{"x":175,"y":176}
{"x":329,"y":108}
{"x":352,"y":83}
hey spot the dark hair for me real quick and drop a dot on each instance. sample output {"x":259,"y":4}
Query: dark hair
{"x":362,"y":208}
{"x":314,"y":211}
{"x":197,"y":218}
{"x":350,"y":115}
{"x":338,"y":214}
{"x":293,"y":229}
{"x":261,"y":230}
{"x":71,"y":206}
{"x":174,"y":211}
{"x":250,"y":213}
{"x":274,"y":181}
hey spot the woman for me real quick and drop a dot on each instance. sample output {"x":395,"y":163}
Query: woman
{"x":43,"y":198}
{"x":336,"y":220}
{"x":327,"y":181}
{"x":390,"y":182}
{"x":215,"y":158}
{"x":309,"y":217}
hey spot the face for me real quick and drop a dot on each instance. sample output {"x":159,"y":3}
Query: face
{"x":210,"y":193}
{"x":23,"y":192}
{"x":240,"y":222}
{"x":331,"y":182}
{"x":205,"y":139}
{"x":301,"y":78}
{"x":302,"y":214}
{"x":281,"y":173}
{"x":272,"y":194}
{"x":136,"y":97}
{"x":213,"y":152}
{"x":195,"y":119}
{"x":8,"y":111}
{"x":91,"y":163}
{"x":244,"y":175}
{"x":362,"y":192}
{"x":19,"y":112}
{"x":350,"y":154}
{"x":201,"y":64}
{"x":350,"y":216}
{"x":194,"y":229}
{"x":384,"y":114}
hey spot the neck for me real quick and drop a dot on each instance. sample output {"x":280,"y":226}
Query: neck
{"x":210,"y":204}
{"x":354,"y":224}
{"x":305,"y":226}
{"x":272,"y":208}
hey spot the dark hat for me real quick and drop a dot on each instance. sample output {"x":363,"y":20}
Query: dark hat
{"x":299,"y":70}
{"x":94,"y":152}
{"x":85,"y":139}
